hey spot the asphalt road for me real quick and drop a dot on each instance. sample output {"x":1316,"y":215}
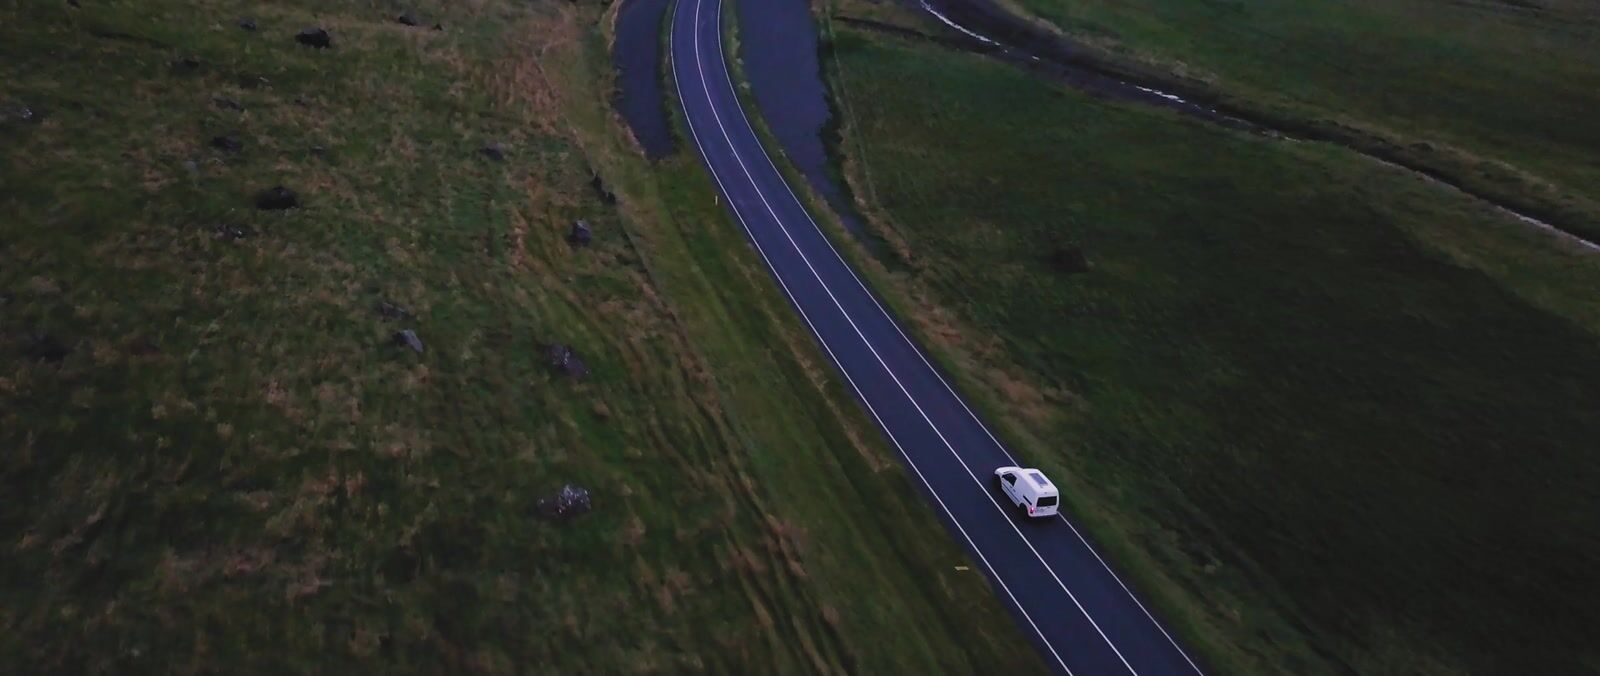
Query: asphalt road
{"x":1082,"y":617}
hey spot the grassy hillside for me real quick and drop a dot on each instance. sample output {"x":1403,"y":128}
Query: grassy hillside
{"x":1498,"y":94}
{"x":1331,"y":415}
{"x":215,"y":458}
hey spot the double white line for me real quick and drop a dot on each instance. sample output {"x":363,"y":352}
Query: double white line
{"x":738,"y":213}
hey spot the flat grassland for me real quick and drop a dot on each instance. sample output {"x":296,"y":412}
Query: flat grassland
{"x":1331,"y":415}
{"x":1498,"y":94}
{"x":213,"y":457}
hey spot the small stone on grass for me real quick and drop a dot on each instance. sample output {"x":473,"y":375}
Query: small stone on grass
{"x":392,"y":312}
{"x":581,"y":234}
{"x":572,"y":500}
{"x":565,"y":360}
{"x":408,"y":338}
{"x":45,"y":347}
{"x":314,"y":37}
{"x":277,"y":199}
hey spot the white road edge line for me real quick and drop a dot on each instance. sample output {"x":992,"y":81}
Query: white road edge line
{"x":845,"y":313}
{"x":970,"y":412}
{"x":994,"y":574}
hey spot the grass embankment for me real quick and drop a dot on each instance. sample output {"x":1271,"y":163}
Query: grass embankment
{"x":1498,"y":96}
{"x":215,"y":458}
{"x":1330,"y":415}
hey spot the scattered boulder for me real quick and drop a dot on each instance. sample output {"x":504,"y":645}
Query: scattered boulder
{"x":494,"y":151}
{"x":599,"y":185}
{"x":438,"y":26}
{"x":406,"y":19}
{"x":45,"y":347}
{"x":277,"y":199}
{"x":1069,"y":260}
{"x":581,"y":233}
{"x":142,"y":347}
{"x":231,"y":233}
{"x":227,"y":143}
{"x":227,"y":103}
{"x":319,"y":151}
{"x":565,"y":360}
{"x":571,"y":501}
{"x":314,"y":37}
{"x":187,"y":64}
{"x":408,"y":338}
{"x":24,"y":114}
{"x":247,"y":23}
{"x":392,"y":312}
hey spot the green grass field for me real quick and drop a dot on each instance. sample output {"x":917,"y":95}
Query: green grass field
{"x":214,"y":459}
{"x":1332,"y":416}
{"x":1498,"y":94}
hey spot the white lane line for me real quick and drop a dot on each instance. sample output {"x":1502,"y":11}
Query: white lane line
{"x":859,"y":333}
{"x":929,"y":8}
{"x":918,"y":351}
{"x":993,"y":574}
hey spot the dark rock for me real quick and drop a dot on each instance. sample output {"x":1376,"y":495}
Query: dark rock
{"x":45,"y":347}
{"x":314,"y":37}
{"x":227,"y":144}
{"x":406,"y":20}
{"x":493,"y":151}
{"x":247,"y":23}
{"x":1069,"y":260}
{"x":73,"y":3}
{"x":408,"y":338}
{"x":581,"y":234}
{"x":319,"y":151}
{"x":142,"y":347}
{"x":187,"y":64}
{"x":227,"y":103}
{"x":277,"y":198}
{"x":571,"y":501}
{"x":565,"y":361}
{"x":231,"y":233}
{"x":392,"y":312}
{"x":438,"y":26}
{"x":599,"y":186}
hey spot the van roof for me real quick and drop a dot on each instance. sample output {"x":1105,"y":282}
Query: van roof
{"x":1039,"y":480}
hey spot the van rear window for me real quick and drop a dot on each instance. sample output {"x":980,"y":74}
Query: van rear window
{"x":1047,"y":501}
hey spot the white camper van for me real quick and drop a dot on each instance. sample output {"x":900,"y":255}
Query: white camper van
{"x":1028,"y":490}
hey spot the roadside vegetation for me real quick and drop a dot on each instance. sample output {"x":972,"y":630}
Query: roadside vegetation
{"x":216,"y":457}
{"x":1330,"y":415}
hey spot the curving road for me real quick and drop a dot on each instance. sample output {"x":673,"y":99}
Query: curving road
{"x":1083,"y":618}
